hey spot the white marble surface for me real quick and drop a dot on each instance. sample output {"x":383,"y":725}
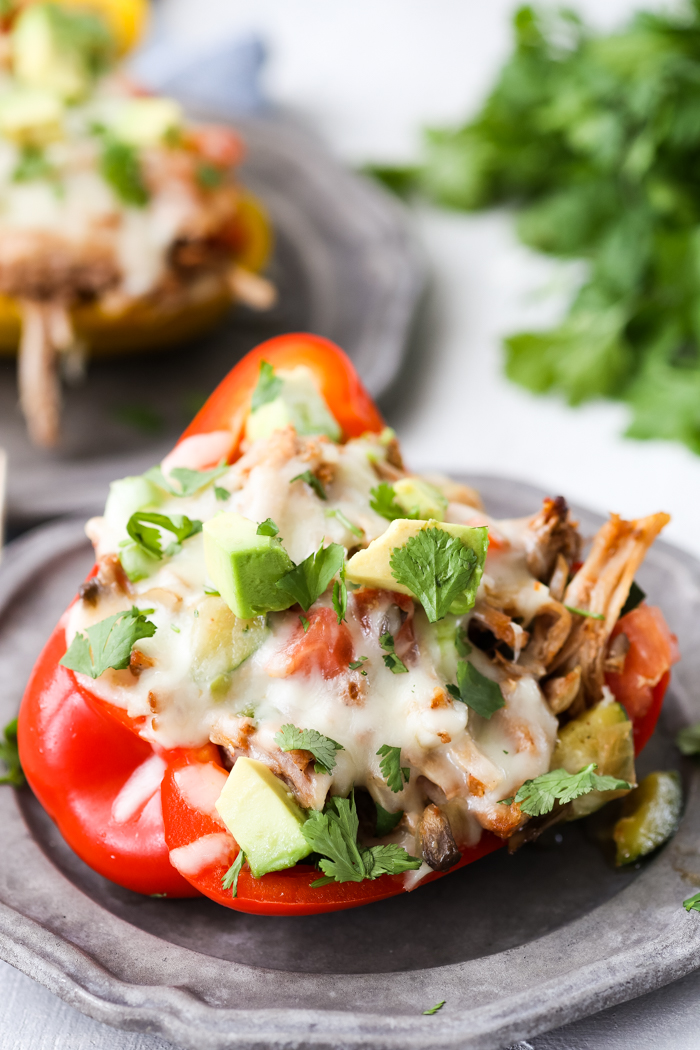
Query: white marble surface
{"x":367,"y":74}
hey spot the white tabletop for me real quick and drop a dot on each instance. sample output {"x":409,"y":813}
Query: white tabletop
{"x":367,"y":74}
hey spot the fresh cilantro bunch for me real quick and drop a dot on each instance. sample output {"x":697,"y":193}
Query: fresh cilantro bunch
{"x":538,"y":796}
{"x":333,"y":834}
{"x":108,"y":643}
{"x":594,"y":139}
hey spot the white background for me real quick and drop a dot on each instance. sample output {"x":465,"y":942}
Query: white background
{"x":368,"y":74}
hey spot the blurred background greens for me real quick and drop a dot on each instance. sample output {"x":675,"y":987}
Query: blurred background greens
{"x":594,"y":139}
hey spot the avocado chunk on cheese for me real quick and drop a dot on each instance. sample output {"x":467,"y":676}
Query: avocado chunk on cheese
{"x":602,"y":735}
{"x":31,"y":117}
{"x":372,"y":567}
{"x":59,"y":50}
{"x":419,"y":499}
{"x":147,"y":121}
{"x":221,"y":641}
{"x":299,"y":403}
{"x":261,"y":814}
{"x":245,"y":567}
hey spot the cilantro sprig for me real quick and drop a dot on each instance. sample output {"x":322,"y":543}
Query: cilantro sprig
{"x":121,"y":168}
{"x":108,"y":643}
{"x":188,"y":481}
{"x":436,"y":567}
{"x":149,"y":539}
{"x":308,"y":580}
{"x":477,"y":691}
{"x":313,"y":482}
{"x":9,"y":756}
{"x":434,"y":1009}
{"x":383,"y":501}
{"x":268,"y":388}
{"x":538,"y":796}
{"x":267,"y":528}
{"x":386,"y":821}
{"x":230,"y":880}
{"x":692,"y":903}
{"x":393,"y":772}
{"x":291,"y":738}
{"x":392,"y":661}
{"x":333,"y":834}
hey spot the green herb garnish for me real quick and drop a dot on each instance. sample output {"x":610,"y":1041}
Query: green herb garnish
{"x":584,"y":612}
{"x":209,"y":177}
{"x":383,"y":501}
{"x":392,"y":661}
{"x":108,"y":643}
{"x":188,"y":481}
{"x":434,"y":1009}
{"x":692,"y":903}
{"x":269,"y":387}
{"x":477,"y":691}
{"x":313,"y":482}
{"x":290,"y":738}
{"x":121,"y":168}
{"x":345,"y":522}
{"x":539,"y":795}
{"x":9,"y":756}
{"x":267,"y":528}
{"x":230,"y":880}
{"x":308,"y":580}
{"x":386,"y":821}
{"x":436,"y":568}
{"x":333,"y":834}
{"x":149,"y":539}
{"x":393,"y":772}
{"x":635,"y":597}
{"x":304,"y":623}
{"x":340,"y":599}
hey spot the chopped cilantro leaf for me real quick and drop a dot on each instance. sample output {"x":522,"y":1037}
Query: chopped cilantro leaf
{"x":313,"y":482}
{"x":333,"y":834}
{"x":692,"y":903}
{"x":9,"y":756}
{"x":345,"y":522}
{"x":174,"y":628}
{"x":267,"y":528}
{"x":356,"y":665}
{"x":308,"y":580}
{"x":268,"y":388}
{"x":212,"y":592}
{"x":392,"y":661}
{"x":461,"y":642}
{"x":477,"y":691}
{"x":386,"y":821}
{"x":304,"y":623}
{"x":383,"y":501}
{"x":290,"y":738}
{"x":635,"y":597}
{"x":436,"y":567}
{"x":121,"y":168}
{"x":33,"y":165}
{"x":688,"y":740}
{"x":209,"y":177}
{"x":393,"y":772}
{"x":189,"y":481}
{"x":108,"y":643}
{"x":434,"y":1009}
{"x":221,"y":493}
{"x":230,"y":880}
{"x":150,"y":539}
{"x":340,"y":599}
{"x":539,"y":795}
{"x":584,"y":612}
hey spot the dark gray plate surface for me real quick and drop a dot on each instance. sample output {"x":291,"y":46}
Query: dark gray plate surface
{"x":516,"y":945}
{"x":346,"y":268}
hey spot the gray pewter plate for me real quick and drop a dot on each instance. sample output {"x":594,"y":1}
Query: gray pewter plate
{"x":515,"y":945}
{"x":346,"y":267}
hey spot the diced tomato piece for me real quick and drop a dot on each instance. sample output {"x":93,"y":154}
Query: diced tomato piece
{"x":653,"y":649}
{"x":219,"y":145}
{"x":325,"y":646}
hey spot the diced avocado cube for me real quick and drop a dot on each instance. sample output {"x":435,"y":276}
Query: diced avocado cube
{"x":126,"y":496}
{"x":650,"y":815}
{"x":245,"y":567}
{"x":371,"y":567}
{"x":59,"y":50}
{"x":261,"y":814}
{"x":221,"y":641}
{"x":602,"y":735}
{"x":31,"y":117}
{"x":300,"y":403}
{"x":419,"y":499}
{"x":147,"y":121}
